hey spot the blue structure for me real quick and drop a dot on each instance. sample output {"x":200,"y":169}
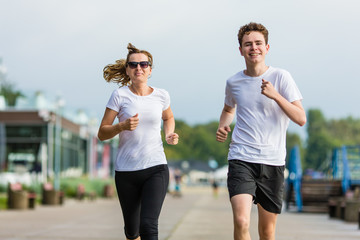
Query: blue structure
{"x":346,"y":166}
{"x":295,"y":176}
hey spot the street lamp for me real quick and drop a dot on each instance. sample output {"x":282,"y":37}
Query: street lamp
{"x":58,"y":109}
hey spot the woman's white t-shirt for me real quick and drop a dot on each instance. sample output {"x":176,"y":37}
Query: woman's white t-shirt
{"x":259,"y":135}
{"x":141,"y":148}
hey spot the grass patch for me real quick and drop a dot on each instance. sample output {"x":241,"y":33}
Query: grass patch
{"x":3,"y":202}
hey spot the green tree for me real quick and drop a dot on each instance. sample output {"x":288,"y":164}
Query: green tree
{"x":182,"y":150}
{"x":207,"y":145}
{"x":345,"y":131}
{"x":319,"y":142}
{"x":292,"y":140}
{"x":197,"y":143}
{"x":8,"y":90}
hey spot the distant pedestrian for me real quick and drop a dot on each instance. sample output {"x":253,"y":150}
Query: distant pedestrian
{"x":264,"y":98}
{"x":177,"y":176}
{"x":142,"y":174}
{"x":35,"y":172}
{"x":215,"y":187}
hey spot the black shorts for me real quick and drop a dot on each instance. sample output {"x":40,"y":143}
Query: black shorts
{"x":264,"y":182}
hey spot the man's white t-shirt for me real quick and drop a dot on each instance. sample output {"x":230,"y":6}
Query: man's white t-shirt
{"x":141,"y":148}
{"x":259,"y":135}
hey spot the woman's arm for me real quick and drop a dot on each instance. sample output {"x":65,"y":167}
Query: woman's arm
{"x":107,"y":130}
{"x":169,"y":127}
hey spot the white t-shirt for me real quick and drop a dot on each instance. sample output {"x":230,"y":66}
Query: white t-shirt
{"x":141,"y":148}
{"x":259,"y":135}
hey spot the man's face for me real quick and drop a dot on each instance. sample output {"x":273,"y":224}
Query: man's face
{"x":254,"y":48}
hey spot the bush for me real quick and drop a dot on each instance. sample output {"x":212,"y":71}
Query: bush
{"x":3,"y":188}
{"x":36,"y":188}
{"x":69,"y":185}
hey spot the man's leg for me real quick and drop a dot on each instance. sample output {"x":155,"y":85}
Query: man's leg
{"x":267,"y":224}
{"x":241,"y":206}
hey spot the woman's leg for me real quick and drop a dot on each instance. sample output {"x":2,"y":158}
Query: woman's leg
{"x":153,"y":195}
{"x":129,"y":193}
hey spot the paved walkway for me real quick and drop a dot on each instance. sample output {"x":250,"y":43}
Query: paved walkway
{"x":197,"y":215}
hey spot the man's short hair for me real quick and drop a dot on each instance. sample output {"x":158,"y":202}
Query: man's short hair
{"x":253,"y":27}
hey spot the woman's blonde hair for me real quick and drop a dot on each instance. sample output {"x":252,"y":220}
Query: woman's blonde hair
{"x":117,"y":72}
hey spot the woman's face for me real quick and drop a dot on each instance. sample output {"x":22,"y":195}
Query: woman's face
{"x":140,"y":73}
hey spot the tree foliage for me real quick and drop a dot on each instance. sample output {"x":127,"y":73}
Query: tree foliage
{"x":8,"y":90}
{"x":292,"y":140}
{"x":325,"y":135}
{"x":199,"y":143}
{"x":318,"y":142}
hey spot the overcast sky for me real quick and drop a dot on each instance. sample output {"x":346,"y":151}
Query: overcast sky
{"x":60,"y":48}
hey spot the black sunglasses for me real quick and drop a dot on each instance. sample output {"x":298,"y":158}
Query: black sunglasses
{"x":134,"y":65}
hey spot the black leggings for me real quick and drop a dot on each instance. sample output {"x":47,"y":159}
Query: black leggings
{"x":141,"y":195}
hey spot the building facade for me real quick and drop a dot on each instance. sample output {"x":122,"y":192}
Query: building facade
{"x":47,"y":143}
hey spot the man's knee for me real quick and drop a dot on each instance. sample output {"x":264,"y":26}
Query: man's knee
{"x":241,"y":223}
{"x":267,"y":233}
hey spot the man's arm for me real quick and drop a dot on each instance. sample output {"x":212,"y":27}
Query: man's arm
{"x":294,"y":110}
{"x":226,"y":118}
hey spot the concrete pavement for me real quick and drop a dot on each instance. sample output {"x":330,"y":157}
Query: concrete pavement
{"x":197,"y":215}
{"x":211,"y":219}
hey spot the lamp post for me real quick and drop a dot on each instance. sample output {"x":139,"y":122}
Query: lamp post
{"x":59,"y":105}
{"x":2,"y":80}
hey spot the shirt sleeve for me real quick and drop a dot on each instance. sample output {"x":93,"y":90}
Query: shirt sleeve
{"x":229,"y":99}
{"x":289,"y":89}
{"x":166,"y":104}
{"x":114,"y":102}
